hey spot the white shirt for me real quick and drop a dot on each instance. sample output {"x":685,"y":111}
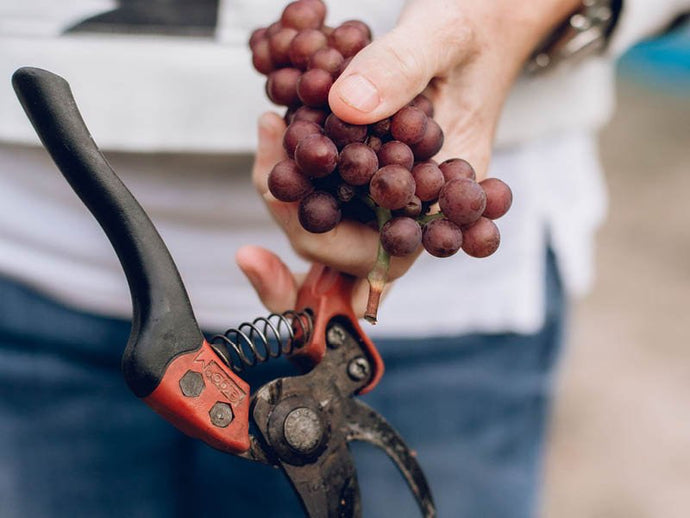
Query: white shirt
{"x":191,"y":94}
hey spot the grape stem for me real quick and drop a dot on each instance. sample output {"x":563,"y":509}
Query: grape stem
{"x":378,"y":276}
{"x":423,"y":220}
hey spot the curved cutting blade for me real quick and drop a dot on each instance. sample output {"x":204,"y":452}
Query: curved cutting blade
{"x":365,"y":424}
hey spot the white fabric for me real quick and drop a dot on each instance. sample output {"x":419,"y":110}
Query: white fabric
{"x":147,"y":94}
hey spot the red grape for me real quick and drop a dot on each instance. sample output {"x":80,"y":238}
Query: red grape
{"x":423,"y":103}
{"x":303,"y":15}
{"x":428,"y":179}
{"x":457,"y":168}
{"x":313,"y":87}
{"x":357,"y":163}
{"x":395,"y":152}
{"x":344,"y":133}
{"x":360,"y":25}
{"x":413,"y":208}
{"x":345,"y":192}
{"x":295,"y":132}
{"x":481,"y":239}
{"x":304,"y":45}
{"x":327,"y":59}
{"x":257,"y":35}
{"x":307,"y":113}
{"x":392,"y":187}
{"x":348,"y":39}
{"x":462,"y":201}
{"x":431,"y":142}
{"x":261,"y":57}
{"x":279,"y":44}
{"x":499,"y":198}
{"x":316,"y":155}
{"x":441,"y":237}
{"x":401,"y":236}
{"x":281,"y":86}
{"x":319,"y":212}
{"x":381,"y":128}
{"x":287,"y":183}
{"x":408,"y":125}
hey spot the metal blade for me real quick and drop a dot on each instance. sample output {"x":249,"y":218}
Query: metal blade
{"x":365,"y":424}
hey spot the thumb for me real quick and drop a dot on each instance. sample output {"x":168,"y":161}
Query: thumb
{"x":271,"y":278}
{"x":387,"y":74}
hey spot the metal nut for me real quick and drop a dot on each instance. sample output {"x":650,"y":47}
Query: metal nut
{"x":221,"y":414}
{"x":192,"y":384}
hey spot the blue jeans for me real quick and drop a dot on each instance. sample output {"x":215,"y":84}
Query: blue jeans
{"x":75,"y":442}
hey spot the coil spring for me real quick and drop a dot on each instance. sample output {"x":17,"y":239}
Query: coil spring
{"x":265,"y":337}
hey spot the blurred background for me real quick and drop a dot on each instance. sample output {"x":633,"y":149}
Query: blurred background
{"x":620,"y":437}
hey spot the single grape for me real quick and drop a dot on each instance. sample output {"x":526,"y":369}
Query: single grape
{"x":327,"y":59}
{"x":360,"y":25}
{"x":457,"y":168}
{"x":348,"y":39}
{"x":401,"y":236}
{"x":381,"y":128}
{"x":319,"y":6}
{"x":316,"y":155}
{"x":396,"y":153}
{"x":256,"y":36}
{"x":441,"y":237}
{"x":272,"y":29}
{"x":319,"y":212}
{"x":344,"y":133}
{"x":462,"y":201}
{"x":408,"y":125}
{"x":261,"y":57}
{"x":423,"y":103}
{"x":428,"y":180}
{"x":413,"y":208}
{"x":357,"y":163}
{"x":307,"y":113}
{"x":313,"y":87}
{"x":392,"y":187}
{"x":303,"y":15}
{"x":345,"y":192}
{"x":375,"y":143}
{"x":304,"y":45}
{"x":296,"y":131}
{"x":279,"y":44}
{"x":499,"y":198}
{"x":481,"y":239}
{"x":281,"y":86}
{"x":287,"y":183}
{"x":431,"y":142}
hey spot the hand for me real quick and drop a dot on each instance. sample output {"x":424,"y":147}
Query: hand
{"x":468,"y":52}
{"x":273,"y":281}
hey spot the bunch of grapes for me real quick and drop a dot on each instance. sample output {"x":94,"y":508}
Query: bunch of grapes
{"x":380,"y":174}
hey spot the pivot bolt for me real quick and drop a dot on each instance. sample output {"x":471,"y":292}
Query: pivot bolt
{"x":303,"y":430}
{"x":221,"y":414}
{"x":358,"y":368}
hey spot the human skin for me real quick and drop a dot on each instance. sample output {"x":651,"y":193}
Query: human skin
{"x":465,"y":55}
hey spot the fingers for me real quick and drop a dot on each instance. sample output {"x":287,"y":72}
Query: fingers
{"x":271,"y":278}
{"x":387,"y":74}
{"x":269,"y":150}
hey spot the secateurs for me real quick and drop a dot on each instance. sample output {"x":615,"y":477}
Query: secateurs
{"x":303,"y":423}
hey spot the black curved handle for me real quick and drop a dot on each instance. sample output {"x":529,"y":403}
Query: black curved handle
{"x":163,"y":324}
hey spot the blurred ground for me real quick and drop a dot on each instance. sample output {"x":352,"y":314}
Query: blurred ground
{"x":620,"y":439}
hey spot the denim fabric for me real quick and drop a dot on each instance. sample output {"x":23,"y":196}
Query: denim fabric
{"x":75,"y":442}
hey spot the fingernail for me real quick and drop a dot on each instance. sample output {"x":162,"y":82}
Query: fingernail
{"x":360,"y":93}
